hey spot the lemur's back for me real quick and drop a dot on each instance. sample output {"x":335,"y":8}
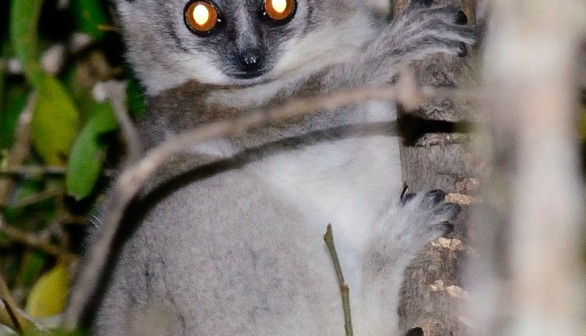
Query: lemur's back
{"x":228,"y":239}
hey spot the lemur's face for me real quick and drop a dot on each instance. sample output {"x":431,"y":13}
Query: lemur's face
{"x":228,"y":42}
{"x":245,"y":38}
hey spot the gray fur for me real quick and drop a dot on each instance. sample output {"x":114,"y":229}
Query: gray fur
{"x":228,"y":240}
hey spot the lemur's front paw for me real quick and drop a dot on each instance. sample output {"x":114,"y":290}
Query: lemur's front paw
{"x":425,"y":29}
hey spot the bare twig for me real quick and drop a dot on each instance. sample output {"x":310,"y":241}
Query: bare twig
{"x":108,"y":28}
{"x":43,"y":171}
{"x":20,"y":150}
{"x":27,"y":171}
{"x":39,"y":197}
{"x":10,"y":314}
{"x":132,"y":178}
{"x":344,"y":289}
{"x":115,"y":92}
{"x":34,"y":241}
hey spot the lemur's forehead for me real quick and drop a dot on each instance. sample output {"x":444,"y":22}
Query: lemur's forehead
{"x":250,"y":4}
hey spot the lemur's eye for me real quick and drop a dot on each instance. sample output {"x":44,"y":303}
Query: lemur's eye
{"x":279,"y":10}
{"x":201,"y":16}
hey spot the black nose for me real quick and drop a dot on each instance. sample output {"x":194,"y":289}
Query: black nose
{"x":250,"y":60}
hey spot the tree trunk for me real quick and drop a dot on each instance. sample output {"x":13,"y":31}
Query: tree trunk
{"x":436,"y":154}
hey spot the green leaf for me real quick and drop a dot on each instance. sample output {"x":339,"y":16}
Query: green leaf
{"x":30,"y":266}
{"x":89,"y":16}
{"x":55,"y":117}
{"x":24,"y":18}
{"x":87,"y":155}
{"x":55,"y":121}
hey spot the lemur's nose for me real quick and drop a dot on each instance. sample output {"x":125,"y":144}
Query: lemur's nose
{"x":250,"y":59}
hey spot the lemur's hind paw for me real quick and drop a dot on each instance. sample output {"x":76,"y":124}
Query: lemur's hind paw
{"x":420,"y":219}
{"x":433,"y":206}
{"x":407,"y":227}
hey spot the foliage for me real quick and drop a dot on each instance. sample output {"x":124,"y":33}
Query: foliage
{"x":47,"y":297}
{"x":55,"y":139}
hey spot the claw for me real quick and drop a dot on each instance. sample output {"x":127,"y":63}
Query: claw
{"x":407,"y":197}
{"x":434,"y":197}
{"x":462,"y":50}
{"x":461,"y":18}
{"x":446,"y":227}
{"x":450,"y":209}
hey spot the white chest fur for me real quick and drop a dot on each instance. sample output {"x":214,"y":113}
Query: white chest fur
{"x":348,"y":183}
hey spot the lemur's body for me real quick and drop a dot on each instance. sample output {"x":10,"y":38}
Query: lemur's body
{"x":231,"y":243}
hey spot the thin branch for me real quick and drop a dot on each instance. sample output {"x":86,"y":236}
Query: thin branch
{"x":41,"y":171}
{"x":108,"y":28}
{"x":7,"y":316}
{"x":115,"y":92}
{"x":28,"y":171}
{"x":34,"y":241}
{"x":133,"y":177}
{"x":39,"y":197}
{"x":344,"y":289}
{"x":20,"y":150}
{"x":10,"y":314}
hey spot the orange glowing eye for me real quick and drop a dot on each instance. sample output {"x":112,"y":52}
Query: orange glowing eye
{"x":279,"y":10}
{"x":201,"y":16}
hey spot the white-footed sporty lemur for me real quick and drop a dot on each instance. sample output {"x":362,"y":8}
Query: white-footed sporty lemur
{"x":228,"y":239}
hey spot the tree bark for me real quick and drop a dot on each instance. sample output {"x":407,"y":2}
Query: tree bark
{"x":436,"y":154}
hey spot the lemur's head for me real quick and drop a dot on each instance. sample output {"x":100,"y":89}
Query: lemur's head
{"x":234,"y":42}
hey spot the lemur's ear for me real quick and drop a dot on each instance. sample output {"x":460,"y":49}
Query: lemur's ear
{"x":415,"y":332}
